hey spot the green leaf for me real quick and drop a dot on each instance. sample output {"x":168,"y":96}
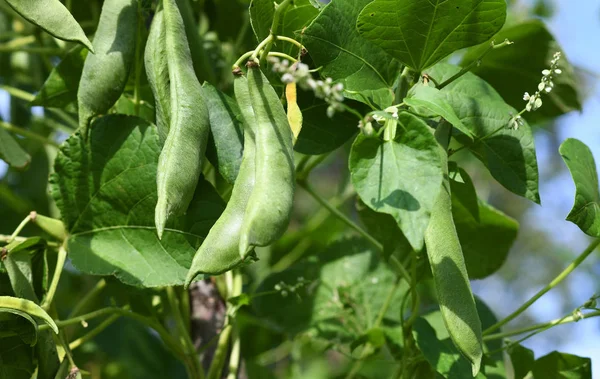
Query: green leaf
{"x":53,"y":17}
{"x":561,"y":365}
{"x":508,"y":154}
{"x":16,"y":359}
{"x":11,"y":152}
{"x":522,"y":360}
{"x":429,"y":98}
{"x":485,"y":236}
{"x":347,"y":57}
{"x":60,"y":89}
{"x":321,"y":134}
{"x":518,"y":68}
{"x":419,"y":33}
{"x":261,"y":17}
{"x":18,"y":267}
{"x":106,"y":193}
{"x":344,"y":287}
{"x":12,"y":304}
{"x":227,"y":141}
{"x":586,"y":209}
{"x":401,"y":177}
{"x":17,"y":323}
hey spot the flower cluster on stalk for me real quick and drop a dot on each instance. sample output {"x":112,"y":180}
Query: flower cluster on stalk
{"x":534,"y":102}
{"x":299,"y":72}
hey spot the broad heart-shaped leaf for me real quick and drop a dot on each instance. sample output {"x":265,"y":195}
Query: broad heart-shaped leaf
{"x":60,"y":89}
{"x":321,"y":134}
{"x":334,"y":43}
{"x":339,"y":293}
{"x":419,"y":33}
{"x":485,"y":235}
{"x":518,"y":68}
{"x":586,"y":209}
{"x":508,"y":154}
{"x":430,"y":99}
{"x":433,"y":340}
{"x":106,"y":193}
{"x":11,"y":152}
{"x":562,"y":365}
{"x":227,"y":141}
{"x":401,"y":177}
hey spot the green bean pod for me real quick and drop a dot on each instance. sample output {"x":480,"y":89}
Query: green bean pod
{"x":270,"y":206}
{"x":180,"y":161}
{"x":53,"y":17}
{"x":453,"y":289}
{"x":106,"y":71}
{"x":219,"y":251}
{"x":157,"y":71}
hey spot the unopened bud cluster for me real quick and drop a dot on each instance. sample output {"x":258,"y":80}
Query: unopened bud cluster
{"x":534,"y":102}
{"x":285,"y":289}
{"x":299,"y":73}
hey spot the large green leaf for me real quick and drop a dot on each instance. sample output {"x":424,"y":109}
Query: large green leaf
{"x":485,"y":235}
{"x":521,"y":359}
{"x":518,"y":68}
{"x":227,"y":141}
{"x":419,"y":33}
{"x":334,"y":43}
{"x":11,"y":152}
{"x":508,"y":154}
{"x":344,"y":288}
{"x":16,"y":359}
{"x":401,"y":177}
{"x":586,"y":209}
{"x":106,"y":193}
{"x":562,"y":366}
{"x":60,"y":89}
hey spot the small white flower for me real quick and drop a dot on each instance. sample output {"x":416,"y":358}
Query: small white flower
{"x":537,"y":104}
{"x":287,"y":78}
{"x":546,"y":72}
{"x":330,"y":111}
{"x":548,"y":89}
{"x":526,"y":96}
{"x":541,"y":86}
{"x":558,"y":71}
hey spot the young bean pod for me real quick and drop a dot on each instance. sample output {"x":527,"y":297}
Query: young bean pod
{"x":219,"y":251}
{"x":270,"y":206}
{"x":180,"y":161}
{"x":105,"y":72}
{"x":453,"y":289}
{"x":157,"y":71}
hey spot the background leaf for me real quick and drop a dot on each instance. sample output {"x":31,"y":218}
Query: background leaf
{"x":586,"y":209}
{"x":421,"y":32}
{"x":561,"y":365}
{"x":517,"y":68}
{"x":11,"y":152}
{"x":347,"y":57}
{"x":107,"y":193}
{"x":508,"y":154}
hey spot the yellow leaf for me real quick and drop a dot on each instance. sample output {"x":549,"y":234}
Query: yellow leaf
{"x":294,"y":114}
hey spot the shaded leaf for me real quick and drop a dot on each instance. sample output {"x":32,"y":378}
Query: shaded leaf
{"x":586,"y":209}
{"x":561,"y":365}
{"x":11,"y":152}
{"x":522,"y":360}
{"x":419,"y":33}
{"x":16,"y":359}
{"x":401,"y":177}
{"x":106,"y":192}
{"x":347,"y":57}
{"x":518,"y":68}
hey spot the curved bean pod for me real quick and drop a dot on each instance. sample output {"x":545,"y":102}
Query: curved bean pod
{"x":105,"y":72}
{"x":453,"y":289}
{"x":270,"y":206}
{"x":53,"y":17}
{"x":157,"y":71}
{"x":219,"y":251}
{"x":180,"y":161}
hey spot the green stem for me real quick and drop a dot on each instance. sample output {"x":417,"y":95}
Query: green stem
{"x":290,"y":40}
{"x":308,"y":188}
{"x":560,"y":321}
{"x":28,"y":134}
{"x":234,"y":357}
{"x":404,"y":83}
{"x":476,"y":62}
{"x":19,"y":228}
{"x":184,"y":337}
{"x":261,"y":46}
{"x":60,"y":263}
{"x":551,"y":285}
{"x":80,"y":306}
{"x":216,"y":365}
{"x":279,"y":10}
{"x":282,"y":55}
{"x":388,"y":302}
{"x":6,"y":239}
{"x":94,"y":332}
{"x":138,"y":64}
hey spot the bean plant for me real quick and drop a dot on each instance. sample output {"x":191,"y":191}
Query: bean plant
{"x":257,"y":189}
